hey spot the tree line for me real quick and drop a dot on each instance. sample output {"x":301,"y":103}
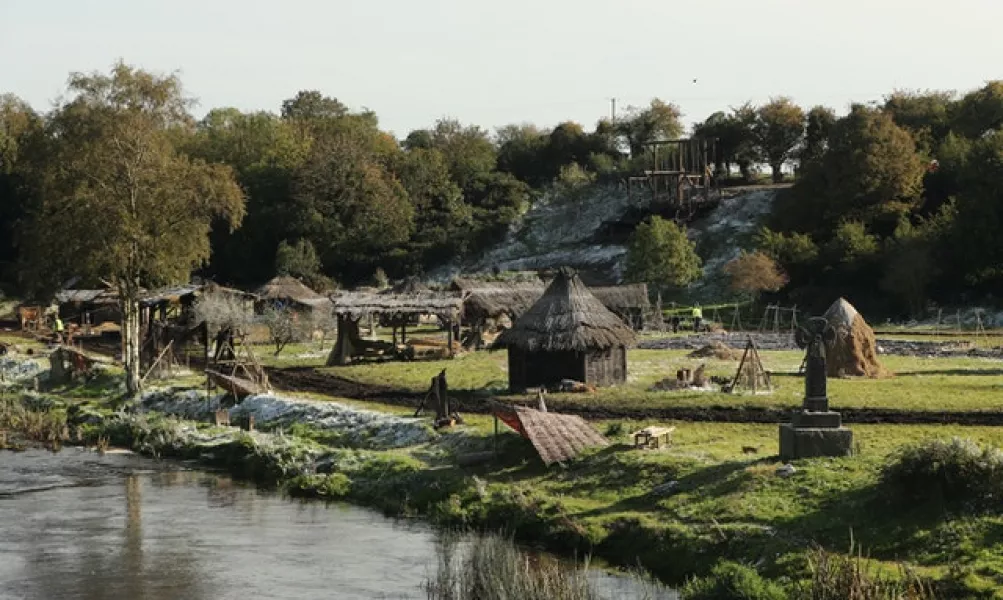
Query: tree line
{"x":894,"y":202}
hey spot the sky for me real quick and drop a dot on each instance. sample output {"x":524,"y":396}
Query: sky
{"x":513,"y":61}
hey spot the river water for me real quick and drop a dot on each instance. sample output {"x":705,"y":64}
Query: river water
{"x":81,"y":526}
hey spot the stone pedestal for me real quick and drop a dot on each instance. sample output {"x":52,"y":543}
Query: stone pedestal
{"x":808,"y":441}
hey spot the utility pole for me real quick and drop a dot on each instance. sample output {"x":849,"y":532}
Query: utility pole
{"x":612,"y":110}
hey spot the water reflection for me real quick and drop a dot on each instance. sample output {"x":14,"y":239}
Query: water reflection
{"x":78,"y":526}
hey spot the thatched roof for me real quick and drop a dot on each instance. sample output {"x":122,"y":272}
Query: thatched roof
{"x":567,"y":317}
{"x":493,"y":299}
{"x":490,"y":299}
{"x":290,"y":289}
{"x":358,"y":304}
{"x":623,"y":297}
{"x":556,"y":437}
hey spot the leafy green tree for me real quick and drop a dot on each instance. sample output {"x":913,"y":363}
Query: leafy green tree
{"x":852,"y":243}
{"x":497,"y":200}
{"x":658,"y":121}
{"x":468,"y":151}
{"x":349,"y":205}
{"x":818,"y":126}
{"x":117,"y":200}
{"x":660,"y":253}
{"x":442,"y":219}
{"x":300,"y":260}
{"x":265,"y":151}
{"x":312,"y":105}
{"x":974,"y":241}
{"x":521,"y":150}
{"x":778,"y":130}
{"x":926,"y":115}
{"x":18,"y":125}
{"x":980,"y":111}
{"x":732,"y":137}
{"x":870,"y":173}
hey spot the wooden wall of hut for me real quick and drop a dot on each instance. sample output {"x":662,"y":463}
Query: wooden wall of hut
{"x":545,"y":369}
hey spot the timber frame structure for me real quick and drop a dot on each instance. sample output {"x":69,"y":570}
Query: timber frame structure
{"x":680,"y":175}
{"x":397,"y":310}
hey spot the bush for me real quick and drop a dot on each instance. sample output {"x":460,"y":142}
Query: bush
{"x":955,"y":472}
{"x":732,"y":581}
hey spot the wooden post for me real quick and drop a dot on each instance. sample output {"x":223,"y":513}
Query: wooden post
{"x":394,"y":334}
{"x":449,"y":338}
{"x":404,"y":332}
{"x":496,"y":436}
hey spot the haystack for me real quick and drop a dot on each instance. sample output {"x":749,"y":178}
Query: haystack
{"x":854,"y":352}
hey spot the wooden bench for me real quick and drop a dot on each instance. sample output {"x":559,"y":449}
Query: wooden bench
{"x":653,"y":437}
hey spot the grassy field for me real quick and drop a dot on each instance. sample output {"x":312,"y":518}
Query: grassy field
{"x":919,"y":384}
{"x":680,"y":509}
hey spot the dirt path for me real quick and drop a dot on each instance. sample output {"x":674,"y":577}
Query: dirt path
{"x":307,"y":379}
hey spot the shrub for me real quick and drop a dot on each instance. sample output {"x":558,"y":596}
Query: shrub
{"x":732,"y":581}
{"x":955,"y":472}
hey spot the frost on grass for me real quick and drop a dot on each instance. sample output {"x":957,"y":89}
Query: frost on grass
{"x":14,"y":370}
{"x":375,"y":429}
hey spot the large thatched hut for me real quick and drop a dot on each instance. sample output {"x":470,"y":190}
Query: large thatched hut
{"x":566,"y":334}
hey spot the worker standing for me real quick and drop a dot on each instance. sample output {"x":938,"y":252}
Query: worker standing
{"x":697,"y":317}
{"x":59,"y":329}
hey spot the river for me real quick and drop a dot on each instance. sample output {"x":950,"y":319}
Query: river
{"x":81,"y":526}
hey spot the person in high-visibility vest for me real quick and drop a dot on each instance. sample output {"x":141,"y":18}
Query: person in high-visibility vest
{"x":697,"y":317}
{"x":59,"y":329}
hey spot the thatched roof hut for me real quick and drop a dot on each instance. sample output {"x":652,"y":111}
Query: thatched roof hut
{"x":485,"y":299}
{"x":629,"y":302}
{"x":567,"y":334}
{"x":492,"y":299}
{"x":289,"y":290}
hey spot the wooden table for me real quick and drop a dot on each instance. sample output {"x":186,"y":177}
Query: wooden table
{"x":653,"y":437}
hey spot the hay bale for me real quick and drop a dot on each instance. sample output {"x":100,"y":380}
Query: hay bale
{"x":718,"y":350}
{"x":854,"y":351}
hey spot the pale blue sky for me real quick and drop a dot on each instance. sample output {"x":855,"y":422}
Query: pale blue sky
{"x":499,"y":62}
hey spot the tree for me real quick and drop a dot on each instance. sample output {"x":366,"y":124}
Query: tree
{"x":349,"y":205}
{"x":778,"y":130}
{"x":468,"y":151}
{"x":300,"y":260}
{"x":521,"y":150}
{"x":442,"y":219}
{"x":980,"y":111}
{"x":870,"y":173}
{"x":753,"y":273}
{"x":265,"y":151}
{"x":658,"y":121}
{"x":284,"y":327}
{"x":19,"y":125}
{"x":732,"y":139}
{"x":926,"y":115}
{"x":310,"y":105}
{"x":818,"y":126}
{"x":660,"y":253}
{"x":117,"y":201}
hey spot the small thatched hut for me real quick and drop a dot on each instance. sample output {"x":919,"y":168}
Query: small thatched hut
{"x":567,"y":334}
{"x":291,"y":292}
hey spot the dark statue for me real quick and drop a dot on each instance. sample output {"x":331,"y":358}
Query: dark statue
{"x":814,"y":336}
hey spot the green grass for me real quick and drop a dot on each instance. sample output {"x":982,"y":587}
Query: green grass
{"x":920,"y":384}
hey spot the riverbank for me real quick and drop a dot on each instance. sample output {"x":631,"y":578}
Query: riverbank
{"x":677,"y":511}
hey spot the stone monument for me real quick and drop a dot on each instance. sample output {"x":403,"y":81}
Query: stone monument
{"x":815,"y":430}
